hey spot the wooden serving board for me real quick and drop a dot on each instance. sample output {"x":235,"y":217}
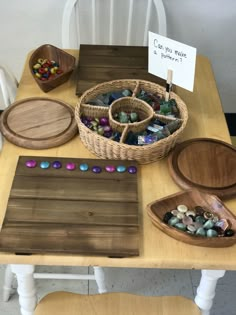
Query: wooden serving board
{"x":38,"y":123}
{"x":101,"y":63}
{"x":205,"y":164}
{"x":57,"y":210}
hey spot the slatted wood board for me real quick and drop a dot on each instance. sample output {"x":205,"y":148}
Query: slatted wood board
{"x":57,"y":210}
{"x":101,"y":63}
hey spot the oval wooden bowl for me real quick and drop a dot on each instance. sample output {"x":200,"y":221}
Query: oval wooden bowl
{"x":192,"y":198}
{"x":206,"y":164}
{"x":38,"y":123}
{"x":66,"y":63}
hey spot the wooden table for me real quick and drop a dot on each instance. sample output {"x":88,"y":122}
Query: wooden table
{"x":157,"y":250}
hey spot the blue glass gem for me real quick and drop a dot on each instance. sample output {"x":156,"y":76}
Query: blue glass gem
{"x":45,"y":164}
{"x":84,"y":167}
{"x":110,"y":168}
{"x":121,"y":168}
{"x":132,"y":169}
{"x":70,"y":166}
{"x":96,"y":169}
{"x":31,"y":163}
{"x":56,"y":164}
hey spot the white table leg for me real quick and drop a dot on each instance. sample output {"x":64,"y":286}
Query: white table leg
{"x":26,"y":288}
{"x":8,"y":281}
{"x":206,"y":289}
{"x":100,"y":279}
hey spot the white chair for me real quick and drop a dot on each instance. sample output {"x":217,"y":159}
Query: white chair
{"x":8,"y":88}
{"x":123,"y":22}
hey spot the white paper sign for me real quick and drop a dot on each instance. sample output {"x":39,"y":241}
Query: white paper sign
{"x":165,"y":53}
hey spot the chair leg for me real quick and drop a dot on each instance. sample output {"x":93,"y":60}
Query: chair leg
{"x":100,"y":279}
{"x":8,"y":282}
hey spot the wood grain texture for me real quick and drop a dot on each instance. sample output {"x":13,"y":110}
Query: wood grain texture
{"x":206,"y":164}
{"x":191,"y":199}
{"x":157,"y":250}
{"x":62,"y":303}
{"x":38,"y":123}
{"x":101,"y":63}
{"x":57,"y":210}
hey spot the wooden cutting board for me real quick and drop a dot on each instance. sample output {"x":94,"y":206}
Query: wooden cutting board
{"x":61,"y":211}
{"x":101,"y":63}
{"x":38,"y":123}
{"x":206,"y":164}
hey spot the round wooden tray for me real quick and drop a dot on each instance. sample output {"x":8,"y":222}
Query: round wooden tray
{"x":206,"y":164}
{"x":38,"y":123}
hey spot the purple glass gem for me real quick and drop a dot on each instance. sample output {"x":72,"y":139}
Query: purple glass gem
{"x":70,"y":166}
{"x":96,"y":169}
{"x":110,"y":168}
{"x":31,"y":163}
{"x":56,"y":164}
{"x":132,"y":169}
{"x":103,"y":121}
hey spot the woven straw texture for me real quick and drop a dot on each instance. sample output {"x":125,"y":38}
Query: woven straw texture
{"x":109,"y":149}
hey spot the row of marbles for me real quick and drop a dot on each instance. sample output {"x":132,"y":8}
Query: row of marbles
{"x":71,"y":166}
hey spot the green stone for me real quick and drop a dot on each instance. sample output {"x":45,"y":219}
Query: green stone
{"x":208,"y":224}
{"x":180,"y":226}
{"x":173,"y":221}
{"x":123,"y":118}
{"x":201,"y":232}
{"x":133,"y":117}
{"x":211,"y":233}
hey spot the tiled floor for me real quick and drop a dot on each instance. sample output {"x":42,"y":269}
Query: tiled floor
{"x":140,"y":281}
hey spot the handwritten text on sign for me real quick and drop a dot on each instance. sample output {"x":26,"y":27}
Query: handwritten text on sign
{"x":165,"y":54}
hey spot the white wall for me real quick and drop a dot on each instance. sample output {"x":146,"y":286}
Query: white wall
{"x":208,"y":25}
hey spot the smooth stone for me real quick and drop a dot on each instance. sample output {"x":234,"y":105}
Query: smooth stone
{"x":173,"y":221}
{"x":83,"y":167}
{"x":199,"y":210}
{"x":96,"y":169}
{"x":215,"y":218}
{"x":45,"y":164}
{"x":180,"y":226}
{"x":180,"y":215}
{"x":208,"y":215}
{"x":229,"y":233}
{"x":187,"y":220}
{"x":208,"y":224}
{"x":110,"y":168}
{"x":190,"y":213}
{"x":167,"y":217}
{"x":211,"y":233}
{"x":70,"y":166}
{"x":200,"y":219}
{"x":191,"y":228}
{"x":121,"y":168}
{"x":201,"y":232}
{"x":56,"y":164}
{"x":175,"y":212}
{"x":31,"y":163}
{"x":132,"y":169}
{"x":182,"y":208}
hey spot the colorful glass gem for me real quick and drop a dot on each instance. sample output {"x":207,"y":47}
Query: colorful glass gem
{"x":110,"y":168}
{"x":56,"y":164}
{"x":84,"y":167}
{"x":132,"y":169}
{"x":70,"y":166}
{"x":121,"y":168}
{"x":31,"y":163}
{"x":96,"y":169}
{"x":45,"y":164}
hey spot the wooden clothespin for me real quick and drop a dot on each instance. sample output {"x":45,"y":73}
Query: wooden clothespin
{"x":168,"y":84}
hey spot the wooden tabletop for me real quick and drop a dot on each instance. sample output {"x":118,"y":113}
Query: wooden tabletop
{"x":157,"y":250}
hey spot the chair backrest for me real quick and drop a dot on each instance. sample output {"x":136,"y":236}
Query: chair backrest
{"x":110,"y":22}
{"x":8,"y":86}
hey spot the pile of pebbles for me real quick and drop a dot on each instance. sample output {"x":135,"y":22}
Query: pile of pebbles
{"x":198,"y":221}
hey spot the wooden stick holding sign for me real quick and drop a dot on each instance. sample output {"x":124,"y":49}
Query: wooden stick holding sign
{"x":168,"y":84}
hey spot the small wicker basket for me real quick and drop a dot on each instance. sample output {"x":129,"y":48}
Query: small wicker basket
{"x":109,"y":149}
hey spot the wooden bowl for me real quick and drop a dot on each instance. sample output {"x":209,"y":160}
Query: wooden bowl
{"x":192,"y":198}
{"x":66,"y":64}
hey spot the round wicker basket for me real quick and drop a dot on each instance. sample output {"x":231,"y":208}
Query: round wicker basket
{"x":109,"y":149}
